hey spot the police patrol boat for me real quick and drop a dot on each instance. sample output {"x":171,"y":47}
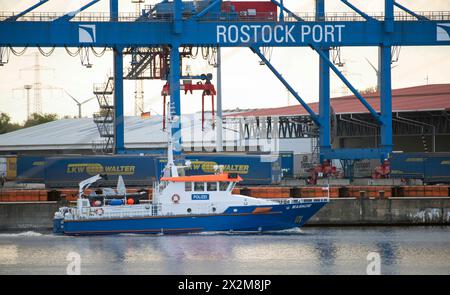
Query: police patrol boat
{"x":181,"y":204}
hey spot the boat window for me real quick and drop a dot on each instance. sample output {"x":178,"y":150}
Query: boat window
{"x":211,"y":186}
{"x":223,"y":186}
{"x":232,"y":184}
{"x":199,"y":186}
{"x":162,"y":185}
{"x":181,"y":171}
{"x":188,"y":186}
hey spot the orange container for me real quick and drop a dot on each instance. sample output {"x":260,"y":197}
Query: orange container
{"x":444,"y":191}
{"x":43,"y":195}
{"x":31,"y":196}
{"x":429,"y":191}
{"x":236,"y":191}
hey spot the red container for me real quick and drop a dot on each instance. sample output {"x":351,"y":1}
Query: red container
{"x":252,"y":10}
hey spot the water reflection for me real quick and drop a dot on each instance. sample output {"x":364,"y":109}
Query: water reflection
{"x":326,"y":253}
{"x":313,"y":251}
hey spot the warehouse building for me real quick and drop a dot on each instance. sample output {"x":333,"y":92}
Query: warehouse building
{"x":421,"y":119}
{"x":421,"y":123}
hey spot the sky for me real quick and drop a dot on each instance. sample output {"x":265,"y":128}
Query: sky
{"x":245,"y":83}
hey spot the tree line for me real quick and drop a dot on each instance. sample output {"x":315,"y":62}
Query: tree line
{"x":35,"y":119}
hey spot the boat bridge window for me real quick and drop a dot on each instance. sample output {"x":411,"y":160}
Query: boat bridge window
{"x":181,"y":171}
{"x":211,"y":186}
{"x":188,"y":186}
{"x":199,"y":186}
{"x":163,"y":185}
{"x":223,"y":186}
{"x":232,"y":184}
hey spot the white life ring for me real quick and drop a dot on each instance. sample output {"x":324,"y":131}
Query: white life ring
{"x":175,"y":198}
{"x":99,"y":211}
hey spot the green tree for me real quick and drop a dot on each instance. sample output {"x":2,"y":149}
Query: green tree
{"x":6,"y":125}
{"x":37,"y":119}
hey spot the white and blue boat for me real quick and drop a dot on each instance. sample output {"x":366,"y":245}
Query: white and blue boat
{"x":181,"y":204}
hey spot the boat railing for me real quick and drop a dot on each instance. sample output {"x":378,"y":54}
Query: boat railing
{"x":300,"y":200}
{"x":106,"y":213}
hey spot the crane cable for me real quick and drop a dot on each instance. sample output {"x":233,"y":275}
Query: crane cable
{"x":194,"y":56}
{"x":205,"y":52}
{"x":46,"y":54}
{"x":98,"y":54}
{"x":212,"y":59}
{"x":71,"y":53}
{"x":18,"y":53}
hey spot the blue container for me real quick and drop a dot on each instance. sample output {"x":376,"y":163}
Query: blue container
{"x":69,"y":171}
{"x":430,"y":167}
{"x":253,"y":168}
{"x":30,"y":169}
{"x":437,"y":168}
{"x":287,"y":164}
{"x":408,"y":165}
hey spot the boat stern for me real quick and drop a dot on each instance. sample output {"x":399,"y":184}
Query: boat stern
{"x":58,"y":224}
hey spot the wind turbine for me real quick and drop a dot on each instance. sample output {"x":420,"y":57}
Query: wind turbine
{"x":79,"y":104}
{"x":378,"y":74}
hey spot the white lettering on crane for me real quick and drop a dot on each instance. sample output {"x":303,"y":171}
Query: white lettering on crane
{"x":319,"y":33}
{"x":278,"y":33}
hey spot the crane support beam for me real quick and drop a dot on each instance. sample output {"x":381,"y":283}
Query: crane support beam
{"x":405,"y":9}
{"x":385,"y":96}
{"x":15,"y":17}
{"x":207,"y":9}
{"x":114,"y":10}
{"x":385,"y":75}
{"x":284,"y":9}
{"x":358,"y":11}
{"x":177,"y":13}
{"x":70,"y":15}
{"x":324,"y":90}
{"x":119,"y":118}
{"x":225,"y":34}
{"x":313,"y":115}
{"x":374,"y":113}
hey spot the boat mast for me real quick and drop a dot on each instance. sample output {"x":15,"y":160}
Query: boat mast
{"x":170,"y":170}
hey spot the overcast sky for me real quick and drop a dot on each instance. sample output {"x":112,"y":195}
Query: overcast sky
{"x":246,"y":84}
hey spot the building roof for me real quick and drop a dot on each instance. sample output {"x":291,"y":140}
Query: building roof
{"x":418,"y":98}
{"x":140,"y":133}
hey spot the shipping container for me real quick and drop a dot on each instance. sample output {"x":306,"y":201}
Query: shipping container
{"x":431,"y":167}
{"x":252,"y":10}
{"x":30,"y":169}
{"x":365,"y":168}
{"x":287,"y":164}
{"x":3,"y":166}
{"x":11,"y":168}
{"x":407,"y":165}
{"x":437,"y":168}
{"x":69,"y":171}
{"x":303,"y":163}
{"x":254,"y":169}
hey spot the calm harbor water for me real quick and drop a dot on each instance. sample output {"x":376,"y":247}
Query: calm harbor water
{"x":312,"y":250}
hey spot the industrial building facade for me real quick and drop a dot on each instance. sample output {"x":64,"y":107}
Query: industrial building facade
{"x":421,"y":123}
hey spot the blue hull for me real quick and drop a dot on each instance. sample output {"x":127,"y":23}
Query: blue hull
{"x":246,"y":218}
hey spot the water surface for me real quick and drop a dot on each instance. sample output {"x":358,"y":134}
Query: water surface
{"x":311,"y":250}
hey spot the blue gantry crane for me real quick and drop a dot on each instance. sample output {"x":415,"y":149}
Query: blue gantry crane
{"x":178,"y":24}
